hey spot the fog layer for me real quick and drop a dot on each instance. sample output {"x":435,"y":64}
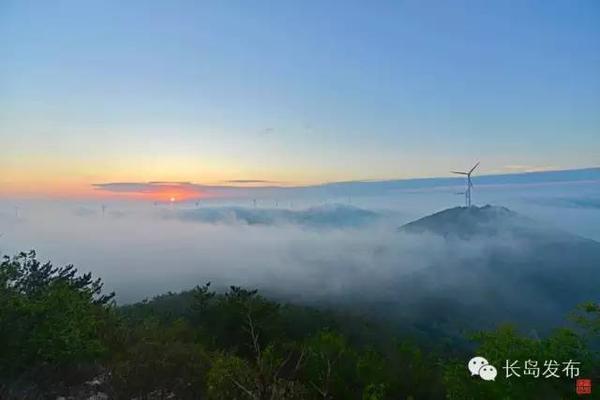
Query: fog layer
{"x":321,"y":250}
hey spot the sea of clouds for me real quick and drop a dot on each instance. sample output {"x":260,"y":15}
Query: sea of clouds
{"x":318,"y":250}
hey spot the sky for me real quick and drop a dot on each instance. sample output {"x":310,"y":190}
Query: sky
{"x":291,"y":93}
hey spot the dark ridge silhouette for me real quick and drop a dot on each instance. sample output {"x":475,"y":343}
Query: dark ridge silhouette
{"x":487,"y":221}
{"x":466,"y":221}
{"x":523,"y":270}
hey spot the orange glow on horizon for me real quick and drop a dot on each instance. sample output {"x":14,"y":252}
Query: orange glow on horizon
{"x":157,"y":193}
{"x":161,"y":193}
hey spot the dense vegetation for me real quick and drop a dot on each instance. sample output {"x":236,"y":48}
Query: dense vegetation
{"x":58,"y":330}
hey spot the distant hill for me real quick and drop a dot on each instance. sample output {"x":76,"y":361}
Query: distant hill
{"x":498,"y":265}
{"x":487,"y":221}
{"x":325,"y":216}
{"x":467,"y":222}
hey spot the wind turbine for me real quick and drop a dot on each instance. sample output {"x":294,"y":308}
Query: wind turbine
{"x":469,"y":182}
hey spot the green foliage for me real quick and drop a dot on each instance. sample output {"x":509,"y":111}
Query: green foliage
{"x":507,"y":344}
{"x":240,"y":345}
{"x":374,"y":392}
{"x":229,"y":378}
{"x":248,"y":325}
{"x":229,"y":329}
{"x":48,"y":316}
{"x":160,"y":360}
{"x":25,"y":275}
{"x":260,"y":349}
{"x":330,"y":366}
{"x":587,"y":317}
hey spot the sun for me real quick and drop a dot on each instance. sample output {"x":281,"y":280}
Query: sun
{"x":172,"y":199}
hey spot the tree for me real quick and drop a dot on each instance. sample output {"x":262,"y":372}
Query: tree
{"x":257,"y":371}
{"x":160,"y":360}
{"x":51,"y":318}
{"x":330,"y":366}
{"x":507,"y":345}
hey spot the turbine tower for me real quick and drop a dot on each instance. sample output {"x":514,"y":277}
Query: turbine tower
{"x":469,"y":182}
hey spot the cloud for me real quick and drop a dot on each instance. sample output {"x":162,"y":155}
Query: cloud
{"x":84,"y":211}
{"x":267,"y":131}
{"x":571,"y":202}
{"x":157,"y":190}
{"x":249,"y":181}
{"x":326,"y":217}
{"x":527,"y":168}
{"x":263,"y":188}
{"x":169,"y":183}
{"x":145,"y":187}
{"x":348,"y":256}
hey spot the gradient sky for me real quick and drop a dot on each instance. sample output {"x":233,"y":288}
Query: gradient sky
{"x":294,"y":92}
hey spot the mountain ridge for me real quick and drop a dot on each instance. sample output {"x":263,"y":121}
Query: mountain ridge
{"x":487,"y":221}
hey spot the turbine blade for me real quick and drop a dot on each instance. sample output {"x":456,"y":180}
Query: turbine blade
{"x":459,"y":173}
{"x":473,"y":169}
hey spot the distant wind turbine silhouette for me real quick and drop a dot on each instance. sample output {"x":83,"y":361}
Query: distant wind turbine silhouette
{"x":469,"y":182}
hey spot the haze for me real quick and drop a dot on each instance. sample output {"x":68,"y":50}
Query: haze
{"x":301,"y":247}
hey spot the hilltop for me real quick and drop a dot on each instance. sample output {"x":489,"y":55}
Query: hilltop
{"x":498,"y":265}
{"x":485,"y":222}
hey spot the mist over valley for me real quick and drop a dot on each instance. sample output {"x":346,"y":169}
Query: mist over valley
{"x":368,"y":252}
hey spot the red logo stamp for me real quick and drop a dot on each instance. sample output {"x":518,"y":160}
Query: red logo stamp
{"x":583,"y":386}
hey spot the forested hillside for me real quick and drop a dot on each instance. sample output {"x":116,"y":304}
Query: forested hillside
{"x":62,"y":336}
